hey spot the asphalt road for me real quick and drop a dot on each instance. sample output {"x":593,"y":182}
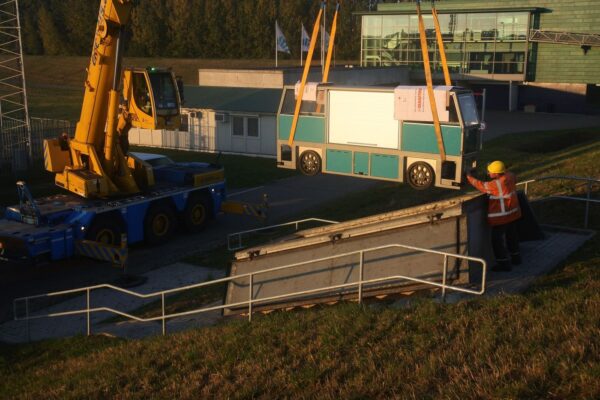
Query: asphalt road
{"x":288,"y":197}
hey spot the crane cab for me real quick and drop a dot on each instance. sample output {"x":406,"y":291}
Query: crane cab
{"x":152,"y":98}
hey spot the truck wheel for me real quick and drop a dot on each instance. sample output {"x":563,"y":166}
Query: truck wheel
{"x":159,"y":224}
{"x":310,"y":163}
{"x":197,"y":212}
{"x":105,"y":230}
{"x":420,"y":175}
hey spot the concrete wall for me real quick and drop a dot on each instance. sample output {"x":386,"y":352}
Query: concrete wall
{"x":266,"y":78}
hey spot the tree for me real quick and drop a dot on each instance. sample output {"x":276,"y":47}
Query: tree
{"x":148,"y":29}
{"x":79,"y":23}
{"x":51,"y":39}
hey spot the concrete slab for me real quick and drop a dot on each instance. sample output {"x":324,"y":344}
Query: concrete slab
{"x":539,"y":258}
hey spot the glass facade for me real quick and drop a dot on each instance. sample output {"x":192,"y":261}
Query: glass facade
{"x":477,"y":43}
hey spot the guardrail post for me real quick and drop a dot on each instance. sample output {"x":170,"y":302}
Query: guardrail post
{"x":444,"y":278}
{"x":164,"y":321}
{"x":587,"y":205}
{"x":526,"y":187}
{"x":250,"y":298}
{"x":360,"y":276}
{"x":89,"y":326}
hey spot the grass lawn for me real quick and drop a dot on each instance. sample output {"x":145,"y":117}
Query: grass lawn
{"x":542,"y":344}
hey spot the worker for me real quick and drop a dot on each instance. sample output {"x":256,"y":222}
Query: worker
{"x":503,"y":212}
{"x":63,"y":141}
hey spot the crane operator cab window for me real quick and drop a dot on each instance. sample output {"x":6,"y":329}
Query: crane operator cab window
{"x":165,"y":93}
{"x":141,"y":93}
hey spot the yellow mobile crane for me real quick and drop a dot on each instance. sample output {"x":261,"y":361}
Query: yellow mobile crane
{"x":116,"y":197}
{"x":95,"y":164}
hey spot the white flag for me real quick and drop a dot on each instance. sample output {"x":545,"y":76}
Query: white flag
{"x":305,"y":40}
{"x":281,"y":42}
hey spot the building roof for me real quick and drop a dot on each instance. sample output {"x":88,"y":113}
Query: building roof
{"x":233,"y":99}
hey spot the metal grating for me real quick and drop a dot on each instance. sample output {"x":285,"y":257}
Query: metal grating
{"x":581,"y":39}
{"x":15,"y":129}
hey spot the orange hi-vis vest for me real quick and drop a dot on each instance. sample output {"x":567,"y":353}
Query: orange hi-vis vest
{"x":503,"y":204}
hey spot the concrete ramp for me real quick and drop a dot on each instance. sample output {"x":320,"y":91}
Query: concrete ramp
{"x":455,"y":226}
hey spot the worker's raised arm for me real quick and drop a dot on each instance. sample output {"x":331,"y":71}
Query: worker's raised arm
{"x":479,"y":185}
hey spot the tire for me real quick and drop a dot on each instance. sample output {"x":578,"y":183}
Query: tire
{"x":309,"y":163}
{"x":197,"y":212}
{"x":420,"y":175}
{"x":159,"y":224}
{"x":105,"y":230}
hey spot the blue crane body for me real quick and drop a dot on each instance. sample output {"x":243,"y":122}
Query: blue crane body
{"x":187,"y":194}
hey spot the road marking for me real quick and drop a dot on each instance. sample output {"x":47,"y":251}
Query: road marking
{"x":245,"y":191}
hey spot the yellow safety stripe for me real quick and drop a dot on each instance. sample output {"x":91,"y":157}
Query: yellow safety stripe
{"x":309,"y":56}
{"x":503,"y":213}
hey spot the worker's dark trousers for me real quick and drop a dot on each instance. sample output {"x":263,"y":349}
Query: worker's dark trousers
{"x":505,"y":241}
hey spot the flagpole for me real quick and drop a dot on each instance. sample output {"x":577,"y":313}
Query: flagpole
{"x":276,"y":62}
{"x":301,"y":43}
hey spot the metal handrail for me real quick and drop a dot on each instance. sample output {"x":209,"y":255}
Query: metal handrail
{"x":264,"y":228}
{"x":251,"y":301}
{"x":588,"y":199}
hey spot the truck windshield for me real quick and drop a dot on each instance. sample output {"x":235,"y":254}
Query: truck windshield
{"x":307,"y":107}
{"x":468,"y":109}
{"x":165,"y":93}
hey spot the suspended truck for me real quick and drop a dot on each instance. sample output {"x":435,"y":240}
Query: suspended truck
{"x":115,"y":196}
{"x":380,"y":133}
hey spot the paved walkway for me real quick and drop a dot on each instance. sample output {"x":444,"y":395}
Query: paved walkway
{"x":169,"y":277}
{"x":287,"y":197}
{"x":540,"y":257}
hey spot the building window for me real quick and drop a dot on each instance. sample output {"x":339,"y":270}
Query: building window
{"x":245,"y":126}
{"x":252,"y":126}
{"x":184,"y":123}
{"x":478,"y":43}
{"x":238,"y":126}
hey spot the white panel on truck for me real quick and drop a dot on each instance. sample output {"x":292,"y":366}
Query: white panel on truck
{"x":412,"y":103}
{"x":363,"y":118}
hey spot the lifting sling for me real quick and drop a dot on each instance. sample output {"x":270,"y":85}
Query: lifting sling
{"x":309,"y":56}
{"x":429,"y":80}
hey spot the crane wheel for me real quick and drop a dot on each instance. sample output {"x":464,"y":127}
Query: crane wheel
{"x":159,"y":224}
{"x":105,"y":230}
{"x":197,"y":212}
{"x":310,"y":163}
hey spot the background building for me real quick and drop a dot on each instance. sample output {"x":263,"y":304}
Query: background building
{"x":529,"y":54}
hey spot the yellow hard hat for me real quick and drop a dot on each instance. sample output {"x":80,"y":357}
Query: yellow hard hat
{"x":496,"y":167}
